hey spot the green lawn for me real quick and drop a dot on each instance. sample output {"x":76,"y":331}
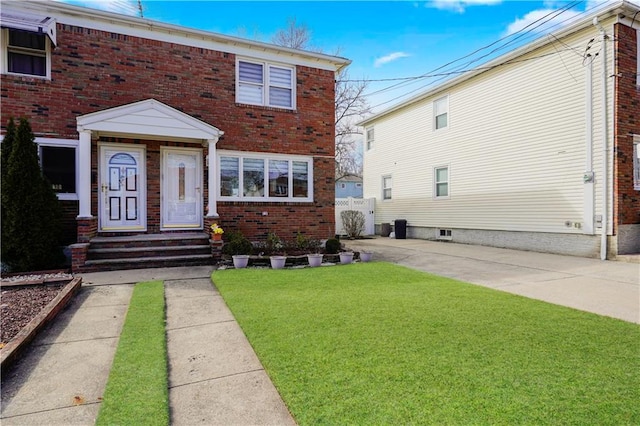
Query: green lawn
{"x":376,"y":343}
{"x":137,"y":391}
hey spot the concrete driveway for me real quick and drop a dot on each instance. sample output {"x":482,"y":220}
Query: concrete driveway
{"x":610,"y":288}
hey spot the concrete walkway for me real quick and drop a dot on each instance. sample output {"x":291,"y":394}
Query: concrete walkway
{"x":609,"y":288}
{"x":214,"y":375}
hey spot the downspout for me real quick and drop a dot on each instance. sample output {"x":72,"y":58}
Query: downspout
{"x":588,"y":178}
{"x":605,"y":138}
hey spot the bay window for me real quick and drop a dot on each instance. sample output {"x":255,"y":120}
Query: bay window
{"x":259,"y":177}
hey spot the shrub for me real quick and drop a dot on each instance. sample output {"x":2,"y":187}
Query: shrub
{"x":31,"y":213}
{"x":332,"y":246}
{"x":353,"y":222}
{"x":237,"y":244}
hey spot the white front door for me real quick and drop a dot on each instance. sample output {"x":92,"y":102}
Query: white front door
{"x":181,"y":188}
{"x":122,"y":188}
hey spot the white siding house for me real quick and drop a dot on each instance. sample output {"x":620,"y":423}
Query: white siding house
{"x":512,"y":155}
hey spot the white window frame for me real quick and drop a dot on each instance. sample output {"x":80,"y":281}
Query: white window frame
{"x":436,"y":182}
{"x":445,"y":100}
{"x":370,"y":138}
{"x":266,"y":67}
{"x":444,"y":234}
{"x":242,"y":155}
{"x":4,"y":64}
{"x":384,"y":188}
{"x":636,"y":163}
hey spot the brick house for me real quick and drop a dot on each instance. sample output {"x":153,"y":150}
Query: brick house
{"x":538,"y":149}
{"x":151,"y":129}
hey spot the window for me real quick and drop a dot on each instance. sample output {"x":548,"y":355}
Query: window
{"x":440,"y":113}
{"x":444,"y":234}
{"x":358,"y":185}
{"x":343,"y":185}
{"x":370,"y":138}
{"x":265,"y":84}
{"x":59,"y":162}
{"x":27,"y":53}
{"x":386,"y":187}
{"x":636,"y":163}
{"x":255,"y":177}
{"x":441,"y":178}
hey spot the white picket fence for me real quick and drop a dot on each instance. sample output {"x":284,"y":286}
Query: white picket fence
{"x":364,"y":205}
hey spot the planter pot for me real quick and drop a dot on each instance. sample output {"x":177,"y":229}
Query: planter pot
{"x":346,"y":257}
{"x":277,"y":262}
{"x":314,"y":260}
{"x":365,"y":256}
{"x":216,"y":237}
{"x":240,"y":261}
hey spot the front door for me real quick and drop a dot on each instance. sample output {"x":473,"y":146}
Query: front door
{"x":181,"y":188}
{"x":122,"y":188}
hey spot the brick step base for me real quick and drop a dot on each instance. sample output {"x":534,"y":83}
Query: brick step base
{"x":145,"y":262}
{"x":151,"y":251}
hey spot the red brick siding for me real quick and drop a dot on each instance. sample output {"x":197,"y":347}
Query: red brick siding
{"x":626,"y":200}
{"x":95,"y":70}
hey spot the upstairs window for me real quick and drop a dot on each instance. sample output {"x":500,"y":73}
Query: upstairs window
{"x":26,"y":53}
{"x":370,"y":138}
{"x":441,"y":113}
{"x":387,"y":184}
{"x":260,"y":83}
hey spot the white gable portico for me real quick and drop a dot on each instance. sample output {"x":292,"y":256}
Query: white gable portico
{"x":146,"y":120}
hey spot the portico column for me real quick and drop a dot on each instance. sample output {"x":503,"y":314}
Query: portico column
{"x":84,"y":183}
{"x":212,"y":210}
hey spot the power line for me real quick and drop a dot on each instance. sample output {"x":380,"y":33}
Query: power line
{"x":523,"y":32}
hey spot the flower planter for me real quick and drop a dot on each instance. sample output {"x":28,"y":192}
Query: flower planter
{"x":346,"y":257}
{"x":314,"y":260}
{"x":365,"y":256}
{"x":216,"y":237}
{"x":240,"y":261}
{"x":277,"y":262}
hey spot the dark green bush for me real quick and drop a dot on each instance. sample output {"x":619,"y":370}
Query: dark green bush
{"x":31,"y":213}
{"x":237,"y":244}
{"x":332,"y":246}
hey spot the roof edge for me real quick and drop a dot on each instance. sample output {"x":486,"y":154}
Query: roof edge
{"x":149,"y":24}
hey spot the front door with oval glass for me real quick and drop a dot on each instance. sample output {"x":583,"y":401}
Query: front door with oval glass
{"x":122,"y":188}
{"x":181,"y":188}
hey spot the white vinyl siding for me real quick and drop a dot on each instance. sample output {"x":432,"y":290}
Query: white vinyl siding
{"x":261,"y":83}
{"x":519,"y":160}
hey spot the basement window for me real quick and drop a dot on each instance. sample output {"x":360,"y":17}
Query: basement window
{"x":443,"y":234}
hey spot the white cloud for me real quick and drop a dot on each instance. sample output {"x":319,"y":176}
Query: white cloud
{"x":389,"y":58}
{"x":459,"y":6}
{"x":543,"y":24}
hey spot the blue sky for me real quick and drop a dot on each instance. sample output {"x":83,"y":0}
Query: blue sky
{"x":385,"y":40}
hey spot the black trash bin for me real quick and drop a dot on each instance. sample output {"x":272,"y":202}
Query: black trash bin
{"x":400,"y":226}
{"x":385,"y":229}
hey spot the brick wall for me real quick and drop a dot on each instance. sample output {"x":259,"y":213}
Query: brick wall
{"x":626,"y":207}
{"x":95,"y":70}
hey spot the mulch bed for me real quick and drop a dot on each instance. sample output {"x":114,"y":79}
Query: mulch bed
{"x":19,"y":305}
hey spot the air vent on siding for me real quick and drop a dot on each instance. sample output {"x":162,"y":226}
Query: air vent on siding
{"x":443,"y":234}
